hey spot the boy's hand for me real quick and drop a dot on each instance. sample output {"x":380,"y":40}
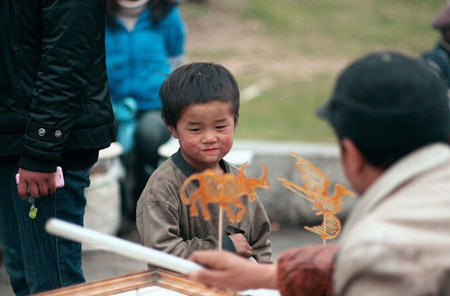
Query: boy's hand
{"x":241,"y":245}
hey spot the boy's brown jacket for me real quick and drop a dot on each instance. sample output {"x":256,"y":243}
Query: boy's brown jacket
{"x":164,"y":222}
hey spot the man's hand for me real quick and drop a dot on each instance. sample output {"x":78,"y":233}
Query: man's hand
{"x":241,"y":245}
{"x":36,"y":183}
{"x":229,"y":271}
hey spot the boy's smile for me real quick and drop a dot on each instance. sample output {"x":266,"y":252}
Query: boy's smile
{"x":205,"y":133}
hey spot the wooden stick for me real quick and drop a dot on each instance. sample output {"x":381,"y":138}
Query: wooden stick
{"x":220,"y":228}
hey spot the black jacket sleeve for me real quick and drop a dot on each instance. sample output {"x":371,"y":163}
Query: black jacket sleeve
{"x":71,"y":30}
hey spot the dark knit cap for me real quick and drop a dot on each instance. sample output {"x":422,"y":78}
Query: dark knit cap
{"x":389,"y":102}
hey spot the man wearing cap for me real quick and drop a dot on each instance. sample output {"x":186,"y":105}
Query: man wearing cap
{"x":389,"y":112}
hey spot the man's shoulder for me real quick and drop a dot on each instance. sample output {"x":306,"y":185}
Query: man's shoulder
{"x":371,"y":255}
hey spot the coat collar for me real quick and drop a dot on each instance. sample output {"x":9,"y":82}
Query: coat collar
{"x":405,"y":169}
{"x":179,"y":161}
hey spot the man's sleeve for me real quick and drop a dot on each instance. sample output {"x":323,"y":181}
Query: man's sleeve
{"x":70,"y":31}
{"x":307,"y":271}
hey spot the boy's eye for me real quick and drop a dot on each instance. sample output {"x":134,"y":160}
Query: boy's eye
{"x":221,"y":127}
{"x":194,"y":130}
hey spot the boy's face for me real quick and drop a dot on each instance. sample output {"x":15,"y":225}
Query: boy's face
{"x":205,"y":133}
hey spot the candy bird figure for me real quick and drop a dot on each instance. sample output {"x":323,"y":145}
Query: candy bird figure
{"x":315,"y":189}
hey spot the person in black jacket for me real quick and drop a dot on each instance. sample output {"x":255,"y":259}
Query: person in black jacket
{"x":54,"y":111}
{"x":439,"y":56}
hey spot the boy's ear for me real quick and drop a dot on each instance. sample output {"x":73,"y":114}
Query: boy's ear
{"x":173,"y":131}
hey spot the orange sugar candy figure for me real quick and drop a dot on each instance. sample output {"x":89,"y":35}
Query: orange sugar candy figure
{"x":226,"y":189}
{"x":315,"y":189}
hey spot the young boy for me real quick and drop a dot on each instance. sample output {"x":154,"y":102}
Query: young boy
{"x":200,"y":106}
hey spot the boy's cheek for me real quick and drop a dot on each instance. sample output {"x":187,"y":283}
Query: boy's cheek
{"x":227,"y":141}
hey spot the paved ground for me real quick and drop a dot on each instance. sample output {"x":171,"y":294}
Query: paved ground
{"x":101,"y":264}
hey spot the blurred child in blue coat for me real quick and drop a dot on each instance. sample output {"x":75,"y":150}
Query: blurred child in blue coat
{"x":144,"y":42}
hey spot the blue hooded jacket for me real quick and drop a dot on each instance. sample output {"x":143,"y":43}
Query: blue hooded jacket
{"x":138,"y":61}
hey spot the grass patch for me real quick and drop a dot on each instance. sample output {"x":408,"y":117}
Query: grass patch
{"x":325,"y":30}
{"x":347,"y":27}
{"x":287,"y":113}
{"x":207,"y":55}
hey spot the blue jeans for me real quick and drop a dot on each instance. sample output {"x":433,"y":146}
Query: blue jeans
{"x":35,"y":260}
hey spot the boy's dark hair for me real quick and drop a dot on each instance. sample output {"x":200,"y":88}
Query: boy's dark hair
{"x":389,"y":105}
{"x":197,"y":83}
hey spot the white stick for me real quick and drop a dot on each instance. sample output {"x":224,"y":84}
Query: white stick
{"x":128,"y":249}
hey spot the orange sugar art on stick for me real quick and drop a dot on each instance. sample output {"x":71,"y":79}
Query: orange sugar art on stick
{"x":226,"y":189}
{"x":315,"y":189}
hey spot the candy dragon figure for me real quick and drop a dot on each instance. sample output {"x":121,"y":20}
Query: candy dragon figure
{"x":315,"y":189}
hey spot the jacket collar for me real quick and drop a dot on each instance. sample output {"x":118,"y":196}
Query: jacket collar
{"x":179,"y":161}
{"x":405,"y":169}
